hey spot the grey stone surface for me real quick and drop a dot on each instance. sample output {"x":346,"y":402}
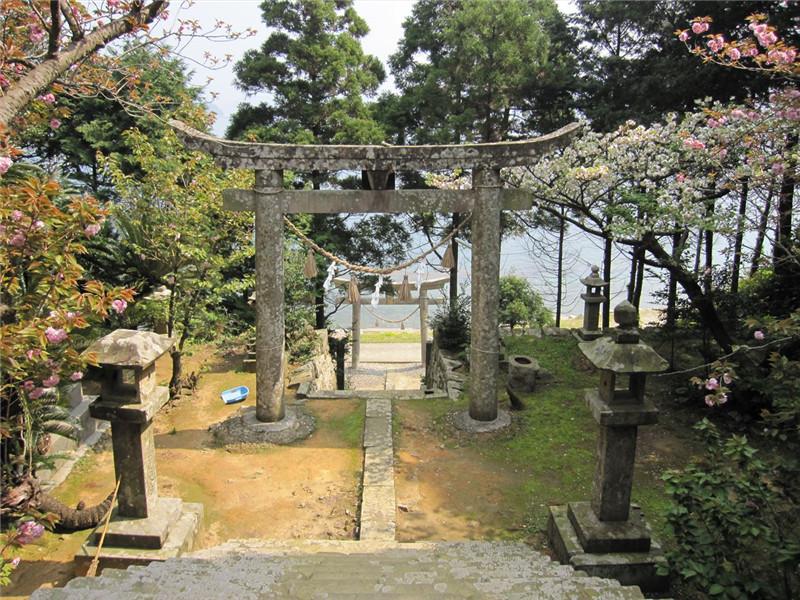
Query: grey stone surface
{"x":255,"y":569}
{"x":378,"y":466}
{"x":129,"y":348}
{"x":485,"y":341}
{"x":630,"y":535}
{"x":462,"y":420}
{"x":269,"y":299}
{"x":180,"y":540}
{"x":522,"y":372}
{"x":150,"y":532}
{"x":378,"y":519}
{"x":244,"y":428}
{"x":309,"y":157}
{"x":629,"y":568}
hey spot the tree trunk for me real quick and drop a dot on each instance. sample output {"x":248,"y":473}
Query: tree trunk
{"x":560,"y":273}
{"x":177,"y":369}
{"x":739,"y":239}
{"x":632,"y":276}
{"x":672,"y":293}
{"x":783,"y":235}
{"x":700,"y":301}
{"x":607,"y":277}
{"x":39,"y":78}
{"x":637,"y":289}
{"x":454,"y":271}
{"x":28,"y":497}
{"x":698,"y":252}
{"x":758,"y":247}
{"x":709,"y":249}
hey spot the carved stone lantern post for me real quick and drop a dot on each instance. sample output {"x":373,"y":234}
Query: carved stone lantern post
{"x":143,"y":526}
{"x":609,"y":537}
{"x":593,"y":299}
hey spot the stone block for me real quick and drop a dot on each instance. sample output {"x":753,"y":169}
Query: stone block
{"x":150,"y":532}
{"x":249,"y":365}
{"x":621,"y":414}
{"x":632,"y":535}
{"x":134,"y":412}
{"x":180,"y":539}
{"x":629,"y":568}
{"x":377,"y":432}
{"x":378,"y":466}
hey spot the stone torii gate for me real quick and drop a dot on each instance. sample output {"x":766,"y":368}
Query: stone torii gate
{"x":422,"y":301}
{"x":270,"y":202}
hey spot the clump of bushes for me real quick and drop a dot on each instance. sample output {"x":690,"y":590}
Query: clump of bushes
{"x":451,"y":324}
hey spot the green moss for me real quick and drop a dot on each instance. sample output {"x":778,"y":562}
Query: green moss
{"x":389,"y":337}
{"x":349,"y":426}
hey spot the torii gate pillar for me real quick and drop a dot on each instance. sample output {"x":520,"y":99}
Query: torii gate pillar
{"x":485,"y":344}
{"x":269,"y":297}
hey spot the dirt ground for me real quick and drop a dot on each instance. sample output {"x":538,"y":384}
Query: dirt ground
{"x":436,"y":486}
{"x":306,"y":490}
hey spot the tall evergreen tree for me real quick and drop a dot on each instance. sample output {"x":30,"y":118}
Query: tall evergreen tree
{"x":317,"y":75}
{"x":480,"y":71}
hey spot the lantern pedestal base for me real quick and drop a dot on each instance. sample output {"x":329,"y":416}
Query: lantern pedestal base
{"x":132,"y":536}
{"x":628,"y":567}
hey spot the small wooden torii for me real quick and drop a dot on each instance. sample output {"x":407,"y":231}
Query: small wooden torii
{"x":422,"y":300}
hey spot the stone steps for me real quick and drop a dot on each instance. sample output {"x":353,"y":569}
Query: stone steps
{"x":333,"y":570}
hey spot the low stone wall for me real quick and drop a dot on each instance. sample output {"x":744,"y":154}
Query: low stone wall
{"x":318,"y":373}
{"x":447,"y":372}
{"x":69,"y":451}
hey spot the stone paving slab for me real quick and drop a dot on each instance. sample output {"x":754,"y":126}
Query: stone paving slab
{"x":378,"y":431}
{"x":378,"y":466}
{"x":391,"y":353}
{"x":378,"y":503}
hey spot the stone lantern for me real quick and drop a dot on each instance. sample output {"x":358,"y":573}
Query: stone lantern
{"x":593,"y":299}
{"x":143,"y":526}
{"x":609,"y":537}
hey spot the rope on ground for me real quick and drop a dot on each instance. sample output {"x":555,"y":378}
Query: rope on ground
{"x":371,"y":270}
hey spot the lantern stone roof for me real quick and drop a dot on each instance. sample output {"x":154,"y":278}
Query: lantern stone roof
{"x":129,"y":348}
{"x":594,"y":279}
{"x":624,"y":352}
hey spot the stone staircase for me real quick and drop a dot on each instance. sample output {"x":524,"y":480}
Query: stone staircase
{"x":336,"y":570}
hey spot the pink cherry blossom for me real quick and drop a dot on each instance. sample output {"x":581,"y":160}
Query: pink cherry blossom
{"x":16,"y":215}
{"x":51,"y":381}
{"x":18,"y":239}
{"x":54,"y":335}
{"x":15,"y":562}
{"x":726,"y":378}
{"x":694,"y":144}
{"x":758,"y":28}
{"x":751,"y":51}
{"x":712,"y":384}
{"x":767,"y":39}
{"x":734,"y":53}
{"x":684,"y":36}
{"x":33,"y":353}
{"x":716,"y":43}
{"x":29,"y":531}
{"x":710,"y":400}
{"x":48,"y":98}
{"x":119,"y":305}
{"x":699,"y":27}
{"x":92,"y":230}
{"x":113,"y":3}
{"x":38,"y":225}
{"x":5,"y":164}
{"x":36,"y":34}
{"x":76,"y":376}
{"x":36,"y":393}
{"x":722,"y":399}
{"x":4,"y":82}
{"x":777,"y":168}
{"x":28,"y":385}
{"x":680,"y":177}
{"x":55,"y":123}
{"x":758,"y":334}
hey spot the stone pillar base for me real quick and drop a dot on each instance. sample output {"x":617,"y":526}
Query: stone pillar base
{"x":588,"y":335}
{"x":169,"y":532}
{"x":638,"y":568}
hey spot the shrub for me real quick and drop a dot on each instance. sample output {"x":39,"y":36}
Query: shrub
{"x":735,"y":526}
{"x":520,"y":304}
{"x":451,"y":324}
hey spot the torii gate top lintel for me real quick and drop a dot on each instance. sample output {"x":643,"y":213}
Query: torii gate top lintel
{"x":251,"y":155}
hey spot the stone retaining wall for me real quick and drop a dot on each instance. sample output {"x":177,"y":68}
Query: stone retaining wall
{"x":447,"y":372}
{"x":319,"y":372}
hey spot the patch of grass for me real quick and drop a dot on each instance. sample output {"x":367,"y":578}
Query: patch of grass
{"x":389,"y":337}
{"x":349,"y":426}
{"x":550,"y":453}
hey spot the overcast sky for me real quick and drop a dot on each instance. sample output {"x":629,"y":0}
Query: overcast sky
{"x":384,"y":17}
